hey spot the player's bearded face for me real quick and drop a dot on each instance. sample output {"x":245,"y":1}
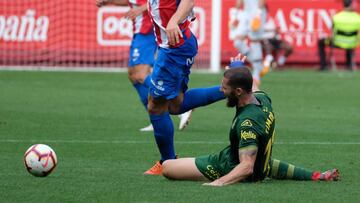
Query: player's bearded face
{"x":232,"y":100}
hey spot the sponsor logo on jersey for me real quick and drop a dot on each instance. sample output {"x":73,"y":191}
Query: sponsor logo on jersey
{"x":246,"y":123}
{"x":158,"y":85}
{"x":247,"y":135}
{"x":212,"y":172}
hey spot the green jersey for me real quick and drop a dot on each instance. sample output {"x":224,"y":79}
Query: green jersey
{"x":253,"y":126}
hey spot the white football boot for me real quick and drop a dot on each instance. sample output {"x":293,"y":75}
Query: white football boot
{"x":185,"y":119}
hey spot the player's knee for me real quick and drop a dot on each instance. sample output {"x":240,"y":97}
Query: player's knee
{"x":175,"y":104}
{"x":174,"y":110}
{"x":131,"y":76}
{"x":157,"y":107}
{"x":135,"y":77}
{"x":152,"y":109}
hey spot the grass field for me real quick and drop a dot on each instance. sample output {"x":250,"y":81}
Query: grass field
{"x":91,"y":120}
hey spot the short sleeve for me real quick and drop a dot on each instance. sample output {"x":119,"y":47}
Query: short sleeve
{"x":247,"y":134}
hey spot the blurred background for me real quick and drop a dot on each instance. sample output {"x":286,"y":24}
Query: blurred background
{"x":65,"y":33}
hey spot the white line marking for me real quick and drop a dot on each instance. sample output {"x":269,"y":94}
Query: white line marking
{"x":177,"y":142}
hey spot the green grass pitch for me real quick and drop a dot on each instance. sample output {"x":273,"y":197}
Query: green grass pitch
{"x":92,"y":121}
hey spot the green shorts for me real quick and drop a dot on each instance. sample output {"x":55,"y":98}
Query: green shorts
{"x":209,"y":166}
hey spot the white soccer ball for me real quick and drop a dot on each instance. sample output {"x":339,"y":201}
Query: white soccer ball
{"x":40,"y":160}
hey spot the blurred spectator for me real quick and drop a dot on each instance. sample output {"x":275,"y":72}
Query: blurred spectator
{"x":251,"y":28}
{"x":274,"y":47}
{"x":345,"y":35}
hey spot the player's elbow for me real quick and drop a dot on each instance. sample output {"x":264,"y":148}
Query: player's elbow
{"x":248,"y":169}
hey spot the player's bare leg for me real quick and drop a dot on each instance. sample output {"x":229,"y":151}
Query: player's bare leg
{"x":182,"y":169}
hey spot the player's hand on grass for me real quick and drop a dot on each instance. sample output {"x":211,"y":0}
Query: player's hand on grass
{"x":100,"y":3}
{"x":214,"y":183}
{"x":173,"y":32}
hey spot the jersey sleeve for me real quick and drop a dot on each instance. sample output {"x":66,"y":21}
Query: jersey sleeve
{"x":247,"y":134}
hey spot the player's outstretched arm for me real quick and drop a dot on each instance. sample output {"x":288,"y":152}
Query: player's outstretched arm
{"x":247,"y":158}
{"x":173,"y":31}
{"x":237,"y":62}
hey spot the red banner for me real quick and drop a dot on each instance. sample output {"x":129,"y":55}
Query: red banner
{"x":301,"y":24}
{"x":63,"y":32}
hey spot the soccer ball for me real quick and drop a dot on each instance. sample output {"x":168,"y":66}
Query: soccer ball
{"x":40,"y":160}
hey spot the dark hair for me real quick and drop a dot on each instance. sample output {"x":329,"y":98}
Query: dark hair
{"x":239,"y":77}
{"x":347,"y":3}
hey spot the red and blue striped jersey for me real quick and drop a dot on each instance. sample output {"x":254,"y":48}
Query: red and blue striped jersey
{"x":142,"y":23}
{"x":161,"y":12}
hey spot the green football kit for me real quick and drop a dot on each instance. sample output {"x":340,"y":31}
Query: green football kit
{"x":252,"y":127}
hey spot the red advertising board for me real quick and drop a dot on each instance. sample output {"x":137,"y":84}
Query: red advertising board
{"x":301,"y":24}
{"x":62,"y":31}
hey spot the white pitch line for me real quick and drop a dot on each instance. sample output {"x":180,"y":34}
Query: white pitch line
{"x":177,"y":142}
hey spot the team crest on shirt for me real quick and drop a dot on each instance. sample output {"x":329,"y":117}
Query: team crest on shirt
{"x":246,"y":123}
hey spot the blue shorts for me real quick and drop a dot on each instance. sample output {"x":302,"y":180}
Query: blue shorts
{"x":172,"y":68}
{"x":142,"y":49}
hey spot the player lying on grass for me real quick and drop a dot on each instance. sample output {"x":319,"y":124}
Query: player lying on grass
{"x":252,"y":133}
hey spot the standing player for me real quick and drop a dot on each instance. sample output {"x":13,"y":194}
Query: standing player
{"x":248,"y":156}
{"x":142,"y":51}
{"x":168,"y":89}
{"x":273,"y":44}
{"x":251,"y":28}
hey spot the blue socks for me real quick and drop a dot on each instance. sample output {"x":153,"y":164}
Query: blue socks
{"x":143,"y":90}
{"x":164,"y":135}
{"x":197,"y":97}
{"x":147,"y":81}
{"x":163,"y":126}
